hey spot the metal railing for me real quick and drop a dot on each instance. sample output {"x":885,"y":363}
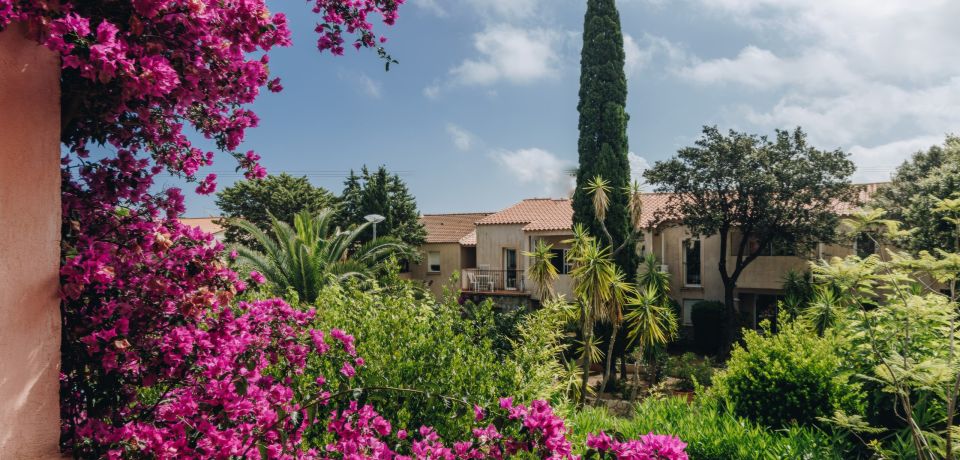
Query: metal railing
{"x":487,"y":280}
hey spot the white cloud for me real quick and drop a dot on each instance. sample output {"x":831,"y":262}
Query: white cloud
{"x":538,"y":167}
{"x":432,"y":91}
{"x":641,"y":53}
{"x":762,"y":69}
{"x":432,"y":6}
{"x":635,"y":57}
{"x":362,"y":83}
{"x":507,"y":9}
{"x":877,"y":164}
{"x":862,"y":114}
{"x":638,"y":165}
{"x":512,"y":54}
{"x":872,"y":76}
{"x":461,"y":138}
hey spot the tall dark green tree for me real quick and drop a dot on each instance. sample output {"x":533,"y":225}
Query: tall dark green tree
{"x":281,"y":195}
{"x":603,"y":145}
{"x":381,"y":192}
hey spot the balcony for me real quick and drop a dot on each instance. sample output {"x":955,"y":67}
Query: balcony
{"x":495,"y":282}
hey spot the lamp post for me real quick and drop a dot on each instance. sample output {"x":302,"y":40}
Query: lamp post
{"x":374,"y":219}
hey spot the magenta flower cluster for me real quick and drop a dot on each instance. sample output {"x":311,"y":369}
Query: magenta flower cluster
{"x":649,"y":447}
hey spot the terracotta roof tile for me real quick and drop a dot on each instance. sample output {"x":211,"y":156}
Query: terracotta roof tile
{"x":539,"y":214}
{"x":653,"y":204}
{"x":450,"y":228}
{"x":469,"y":240}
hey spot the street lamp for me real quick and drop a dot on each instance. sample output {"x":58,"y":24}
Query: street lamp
{"x":374,"y":219}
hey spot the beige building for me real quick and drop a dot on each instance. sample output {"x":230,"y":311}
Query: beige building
{"x":450,"y":247}
{"x":492,"y":263}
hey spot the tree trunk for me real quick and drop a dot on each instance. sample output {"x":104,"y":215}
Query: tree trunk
{"x":636,"y":376}
{"x":731,"y":324}
{"x":587,"y":339}
{"x":606,"y":370}
{"x":623,"y":367}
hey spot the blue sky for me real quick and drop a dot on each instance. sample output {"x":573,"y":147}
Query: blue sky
{"x":481,"y":111}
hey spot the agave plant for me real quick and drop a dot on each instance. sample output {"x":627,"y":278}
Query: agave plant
{"x":314,"y":253}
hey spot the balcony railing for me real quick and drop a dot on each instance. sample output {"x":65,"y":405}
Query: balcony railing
{"x":486,"y":280}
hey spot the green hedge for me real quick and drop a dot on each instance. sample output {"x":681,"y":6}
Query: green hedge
{"x":712,"y":433}
{"x":790,"y":377}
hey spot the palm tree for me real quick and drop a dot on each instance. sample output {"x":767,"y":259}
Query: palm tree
{"x":314,"y":253}
{"x":593,"y":276}
{"x":542,"y":271}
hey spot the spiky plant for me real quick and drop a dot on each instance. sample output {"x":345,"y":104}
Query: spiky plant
{"x":593,"y":276}
{"x":314,"y":253}
{"x":599,"y":190}
{"x":542,"y":271}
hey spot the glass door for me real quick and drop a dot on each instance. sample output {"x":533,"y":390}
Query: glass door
{"x":510,"y":268}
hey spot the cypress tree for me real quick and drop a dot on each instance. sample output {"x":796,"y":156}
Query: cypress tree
{"x":603,"y":144}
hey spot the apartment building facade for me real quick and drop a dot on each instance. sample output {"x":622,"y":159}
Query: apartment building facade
{"x":498,"y":242}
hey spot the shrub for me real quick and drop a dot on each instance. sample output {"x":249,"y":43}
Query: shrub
{"x":431,"y":347}
{"x":791,"y":377}
{"x":711,"y":433}
{"x":708,"y":318}
{"x":689,"y":368}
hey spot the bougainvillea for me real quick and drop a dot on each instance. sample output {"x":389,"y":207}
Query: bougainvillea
{"x":159,"y":361}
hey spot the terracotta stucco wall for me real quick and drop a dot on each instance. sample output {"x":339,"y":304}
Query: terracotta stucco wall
{"x":29,"y":248}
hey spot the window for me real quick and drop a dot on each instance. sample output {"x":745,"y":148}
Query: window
{"x":433,"y":262}
{"x":865,"y":246}
{"x":687,"y":308}
{"x":691,"y":262}
{"x":560,"y":262}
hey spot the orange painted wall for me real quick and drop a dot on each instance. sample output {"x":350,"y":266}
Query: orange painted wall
{"x":29,"y":247}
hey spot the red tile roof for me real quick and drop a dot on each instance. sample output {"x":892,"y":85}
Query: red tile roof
{"x":470,"y":239}
{"x":450,"y":228}
{"x":539,"y":214}
{"x":865,"y":194}
{"x":206,"y":224}
{"x":545,"y":214}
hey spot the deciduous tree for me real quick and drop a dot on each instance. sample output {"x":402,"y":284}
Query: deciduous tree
{"x":779,"y":192}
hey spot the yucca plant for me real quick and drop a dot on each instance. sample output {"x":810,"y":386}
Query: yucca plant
{"x":620,"y":291}
{"x":593,"y":276}
{"x":314,"y":253}
{"x":650,"y":323}
{"x":542,"y":271}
